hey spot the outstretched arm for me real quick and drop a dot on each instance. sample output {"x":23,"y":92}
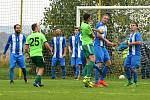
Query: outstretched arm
{"x":99,"y":34}
{"x":135,"y":43}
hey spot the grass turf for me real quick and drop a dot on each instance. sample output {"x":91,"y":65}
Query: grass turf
{"x":73,"y":90}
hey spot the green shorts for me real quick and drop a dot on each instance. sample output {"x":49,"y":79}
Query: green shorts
{"x":88,"y":50}
{"x":38,"y":61}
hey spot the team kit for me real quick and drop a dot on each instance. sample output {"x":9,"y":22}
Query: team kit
{"x":87,"y":49}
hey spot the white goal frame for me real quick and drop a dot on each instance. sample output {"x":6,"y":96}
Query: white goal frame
{"x":103,"y":7}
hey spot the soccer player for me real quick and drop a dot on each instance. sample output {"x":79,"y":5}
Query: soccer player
{"x":102,"y":55}
{"x":87,"y":44}
{"x":75,"y":51}
{"x":17,"y":41}
{"x":132,"y":61}
{"x":58,"y":48}
{"x":34,"y":44}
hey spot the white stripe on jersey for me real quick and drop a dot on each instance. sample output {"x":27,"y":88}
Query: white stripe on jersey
{"x":132,"y":37}
{"x":73,"y":46}
{"x":54,"y":40}
{"x":20,"y":44}
{"x":79,"y":50}
{"x":60,"y":47}
{"x":101,"y":41}
{"x":133,"y":46}
{"x":81,"y":41}
{"x":13,"y":43}
{"x":104,"y":28}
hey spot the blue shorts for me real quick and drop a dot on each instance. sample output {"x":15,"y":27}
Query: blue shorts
{"x":75,"y":61}
{"x":17,"y":59}
{"x":61,"y":61}
{"x":132,"y":61}
{"x":98,"y":54}
{"x":101,"y":54}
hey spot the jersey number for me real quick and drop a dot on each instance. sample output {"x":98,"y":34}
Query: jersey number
{"x":34,"y":41}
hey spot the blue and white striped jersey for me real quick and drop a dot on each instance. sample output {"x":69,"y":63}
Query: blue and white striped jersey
{"x":17,"y":42}
{"x":75,"y":44}
{"x":97,"y":41}
{"x":58,"y":44}
{"x":135,"y":49}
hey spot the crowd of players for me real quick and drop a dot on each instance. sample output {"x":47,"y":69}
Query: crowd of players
{"x":87,"y":48}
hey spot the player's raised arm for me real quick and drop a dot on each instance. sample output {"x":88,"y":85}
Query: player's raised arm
{"x":99,"y":34}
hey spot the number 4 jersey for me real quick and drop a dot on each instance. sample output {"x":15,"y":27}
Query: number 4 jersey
{"x":35,"y":42}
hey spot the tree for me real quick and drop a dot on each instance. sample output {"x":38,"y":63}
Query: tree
{"x":62,"y":14}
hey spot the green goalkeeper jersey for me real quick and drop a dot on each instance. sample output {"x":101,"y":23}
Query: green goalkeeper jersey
{"x":35,"y":42}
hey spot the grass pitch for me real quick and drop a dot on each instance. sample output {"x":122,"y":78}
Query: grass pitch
{"x":73,"y":90}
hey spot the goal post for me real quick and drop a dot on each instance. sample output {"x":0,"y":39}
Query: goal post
{"x":79,"y":8}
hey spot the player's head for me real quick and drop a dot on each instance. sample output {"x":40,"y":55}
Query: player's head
{"x":76,"y":30}
{"x":133,"y":26}
{"x":58,"y":32}
{"x":17,"y":28}
{"x":87,"y":17}
{"x":105,"y":18}
{"x":35,"y":27}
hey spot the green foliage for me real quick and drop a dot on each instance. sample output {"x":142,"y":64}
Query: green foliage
{"x":62,"y":14}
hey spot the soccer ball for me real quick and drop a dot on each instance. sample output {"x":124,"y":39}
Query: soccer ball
{"x":121,"y":77}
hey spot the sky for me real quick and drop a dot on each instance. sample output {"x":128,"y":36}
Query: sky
{"x":32,"y":11}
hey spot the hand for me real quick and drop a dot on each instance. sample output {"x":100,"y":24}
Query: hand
{"x":129,"y":44}
{"x":114,"y":44}
{"x":70,"y":52}
{"x":93,"y":29}
{"x":50,"y":52}
{"x":28,"y":59}
{"x":64,"y":55}
{"x":4,"y":56}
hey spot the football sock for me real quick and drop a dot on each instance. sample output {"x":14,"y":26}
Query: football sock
{"x":11,"y":74}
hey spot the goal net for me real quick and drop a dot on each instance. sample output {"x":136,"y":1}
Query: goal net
{"x":119,"y":29}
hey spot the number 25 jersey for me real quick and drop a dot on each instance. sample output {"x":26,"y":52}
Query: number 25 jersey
{"x":36,"y":41}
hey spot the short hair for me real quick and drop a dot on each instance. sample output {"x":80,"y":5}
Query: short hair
{"x":106,"y":15}
{"x":86,"y":16}
{"x":76,"y":28}
{"x":134,"y":23}
{"x":16,"y":26}
{"x":34,"y":26}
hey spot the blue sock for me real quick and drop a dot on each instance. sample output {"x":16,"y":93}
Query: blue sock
{"x":97,"y":68}
{"x":53,"y":72}
{"x":104,"y":72}
{"x":63,"y":72}
{"x":97,"y":74}
{"x":134,"y":72}
{"x":128,"y":73}
{"x":77,"y":72}
{"x":11,"y":74}
{"x":24,"y":72}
